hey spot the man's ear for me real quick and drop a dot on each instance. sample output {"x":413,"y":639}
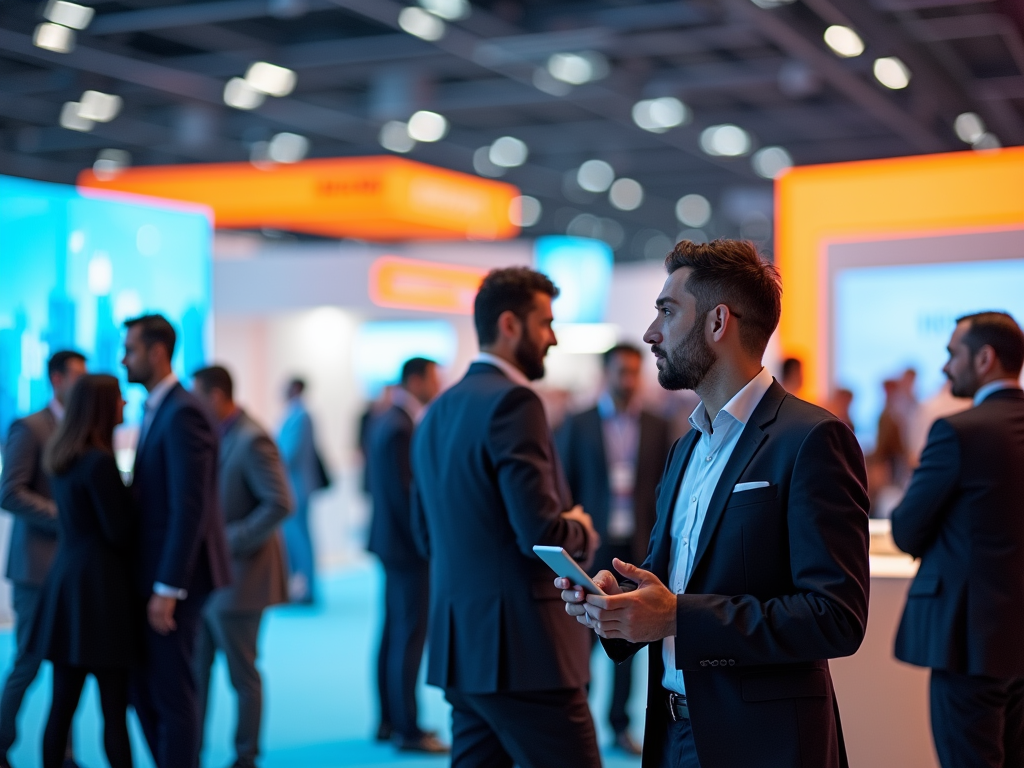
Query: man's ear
{"x":509,"y":324}
{"x":985,"y":360}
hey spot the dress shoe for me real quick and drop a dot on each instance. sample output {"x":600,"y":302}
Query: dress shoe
{"x":626,"y":743}
{"x":427,"y":743}
{"x":383,"y":733}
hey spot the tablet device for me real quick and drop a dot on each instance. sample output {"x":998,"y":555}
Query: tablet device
{"x":562,"y":564}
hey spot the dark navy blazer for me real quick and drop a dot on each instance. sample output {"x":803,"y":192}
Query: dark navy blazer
{"x":181,"y":528}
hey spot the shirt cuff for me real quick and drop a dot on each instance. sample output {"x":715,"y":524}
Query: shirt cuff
{"x":165,"y":591}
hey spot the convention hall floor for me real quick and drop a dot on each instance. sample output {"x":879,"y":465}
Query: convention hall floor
{"x":318,"y":680}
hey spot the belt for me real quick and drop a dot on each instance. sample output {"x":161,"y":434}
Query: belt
{"x":677,"y":707}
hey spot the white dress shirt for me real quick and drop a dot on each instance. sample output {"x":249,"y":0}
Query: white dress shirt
{"x":621,"y":431}
{"x":516,"y":375}
{"x":710,"y":456}
{"x":994,"y":386}
{"x":56,"y":409}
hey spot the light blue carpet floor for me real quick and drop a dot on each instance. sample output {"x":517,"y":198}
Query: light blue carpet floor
{"x":320,"y":706}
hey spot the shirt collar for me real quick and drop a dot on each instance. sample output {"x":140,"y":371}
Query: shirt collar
{"x":56,"y":409}
{"x":741,"y":406}
{"x":994,"y":386}
{"x":160,"y":391}
{"x":606,"y":407}
{"x":226,"y":425}
{"x":517,"y":376}
{"x":408,"y":403}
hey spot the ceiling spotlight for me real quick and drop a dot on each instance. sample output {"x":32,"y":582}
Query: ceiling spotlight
{"x":543,"y":81}
{"x":394,"y":136}
{"x":427,"y":126}
{"x":98,"y":106}
{"x":421,"y":24}
{"x":452,"y":10}
{"x":658,"y":115}
{"x":626,"y":194}
{"x":270,"y":79}
{"x":72,"y":120}
{"x":969,"y":127}
{"x":240,"y":95}
{"x":110,"y":162}
{"x":595,"y":176}
{"x":844,"y":41}
{"x":770,"y":4}
{"x":987,"y":141}
{"x":287,"y":148}
{"x":892,"y":73}
{"x":770,"y":162}
{"x":577,"y":68}
{"x":693,"y":210}
{"x":68,"y":14}
{"x":524,"y":211}
{"x":54,"y":37}
{"x":725,"y":141}
{"x":508,"y":152}
{"x":482,"y":163}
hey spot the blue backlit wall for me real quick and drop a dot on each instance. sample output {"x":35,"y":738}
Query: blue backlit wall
{"x":382,"y":346}
{"x":582,"y":269}
{"x":73,"y":268}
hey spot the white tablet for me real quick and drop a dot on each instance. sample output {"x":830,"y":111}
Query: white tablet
{"x":562,"y":564}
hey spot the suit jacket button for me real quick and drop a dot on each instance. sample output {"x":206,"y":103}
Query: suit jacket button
{"x":704,"y":663}
{"x":714,"y":662}
{"x":732,"y":662}
{"x":724,"y":662}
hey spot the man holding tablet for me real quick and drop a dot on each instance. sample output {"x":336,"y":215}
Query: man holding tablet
{"x":757,"y":570}
{"x":487,"y":487}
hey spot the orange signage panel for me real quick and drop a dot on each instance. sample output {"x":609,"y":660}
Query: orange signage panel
{"x":370,"y":198}
{"x":433,"y":287}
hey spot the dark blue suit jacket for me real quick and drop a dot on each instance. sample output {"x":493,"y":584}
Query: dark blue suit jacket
{"x":963,"y":515}
{"x":181,"y":529}
{"x":779,"y":585}
{"x":487,"y":487}
{"x":389,"y":476}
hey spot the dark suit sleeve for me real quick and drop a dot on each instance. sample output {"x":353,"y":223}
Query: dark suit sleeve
{"x":826,"y":614}
{"x":521,"y":451}
{"x":191,"y":461}
{"x":418,"y":522}
{"x":21,"y":458}
{"x":564,"y":443}
{"x":264,"y":474}
{"x":918,"y":518}
{"x":112,"y":502}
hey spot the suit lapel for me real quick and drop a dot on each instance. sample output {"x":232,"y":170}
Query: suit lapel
{"x":661,"y":537}
{"x":148,"y":437}
{"x":596,"y":438}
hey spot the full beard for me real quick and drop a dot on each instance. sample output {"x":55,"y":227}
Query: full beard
{"x":687,"y":365}
{"x":530,"y":358}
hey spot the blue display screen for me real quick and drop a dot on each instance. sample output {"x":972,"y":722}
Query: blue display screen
{"x":582,"y":270}
{"x":73,"y":268}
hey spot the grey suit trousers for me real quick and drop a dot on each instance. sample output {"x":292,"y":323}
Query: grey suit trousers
{"x":236,"y":635}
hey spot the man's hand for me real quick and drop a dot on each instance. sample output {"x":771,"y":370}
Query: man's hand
{"x":645,"y":615}
{"x":161,"y":614}
{"x":574,"y":595}
{"x":593,"y":538}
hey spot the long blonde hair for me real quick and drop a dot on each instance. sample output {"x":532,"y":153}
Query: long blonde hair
{"x":89,"y":421}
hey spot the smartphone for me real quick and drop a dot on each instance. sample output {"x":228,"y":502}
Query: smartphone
{"x":562,"y":564}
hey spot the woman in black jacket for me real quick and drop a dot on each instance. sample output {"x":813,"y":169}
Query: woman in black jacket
{"x":84,"y":624}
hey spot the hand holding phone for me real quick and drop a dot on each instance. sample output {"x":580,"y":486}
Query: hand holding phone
{"x":562,"y":563}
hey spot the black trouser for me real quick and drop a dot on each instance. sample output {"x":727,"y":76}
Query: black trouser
{"x":406,"y":609}
{"x":529,"y":729}
{"x":679,"y":750}
{"x":26,"y":666}
{"x":977,"y":722}
{"x":67,"y":690}
{"x":236,"y":634}
{"x":622,"y":676}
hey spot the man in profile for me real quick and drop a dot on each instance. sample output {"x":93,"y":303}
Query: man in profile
{"x":487,"y":487}
{"x":255,"y":499}
{"x":182,"y":554}
{"x":757,"y":571}
{"x":25,"y":493}
{"x":406,"y":571}
{"x":613,"y":456}
{"x":963,"y":515}
{"x":792,"y":375}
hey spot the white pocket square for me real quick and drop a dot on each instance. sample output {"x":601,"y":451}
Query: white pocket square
{"x":740,"y":487}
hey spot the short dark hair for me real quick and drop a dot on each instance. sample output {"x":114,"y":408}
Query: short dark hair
{"x":503,"y":290}
{"x":790,"y":366}
{"x":731,"y":272}
{"x":620,"y":349}
{"x":997,"y":330}
{"x":299,"y":385}
{"x":415,"y":367}
{"x":215,"y":377}
{"x":155,"y":329}
{"x":58,"y":362}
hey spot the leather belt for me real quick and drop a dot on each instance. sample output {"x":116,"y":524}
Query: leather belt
{"x":677,"y":707}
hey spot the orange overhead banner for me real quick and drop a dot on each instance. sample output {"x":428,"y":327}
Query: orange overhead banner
{"x":426,"y":285}
{"x":369,"y":198}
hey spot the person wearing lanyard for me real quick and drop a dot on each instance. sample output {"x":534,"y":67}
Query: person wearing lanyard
{"x":613,"y":455}
{"x":757,"y":571}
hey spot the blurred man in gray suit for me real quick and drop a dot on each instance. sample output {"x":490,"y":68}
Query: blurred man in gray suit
{"x":255,"y":499}
{"x":25,"y":493}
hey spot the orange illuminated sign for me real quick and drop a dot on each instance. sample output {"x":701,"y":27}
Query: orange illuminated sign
{"x":877,"y":200}
{"x":412,"y":284}
{"x":368,"y":198}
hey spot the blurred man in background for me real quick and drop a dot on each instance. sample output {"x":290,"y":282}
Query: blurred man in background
{"x":306,"y":474}
{"x":963,"y":515}
{"x":613,"y":456}
{"x":406,"y":571}
{"x":792,"y":375}
{"x":487,"y":487}
{"x":255,"y":499}
{"x":25,"y":493}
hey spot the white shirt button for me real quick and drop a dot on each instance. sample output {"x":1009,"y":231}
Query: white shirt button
{"x":709,"y":458}
{"x":693,"y":499}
